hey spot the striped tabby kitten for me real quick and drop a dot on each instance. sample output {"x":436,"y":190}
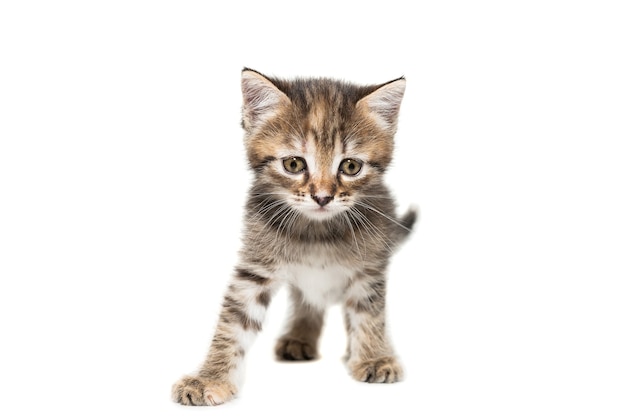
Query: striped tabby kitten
{"x":319,"y":219}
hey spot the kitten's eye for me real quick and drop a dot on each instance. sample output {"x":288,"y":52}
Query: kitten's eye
{"x":350,"y":166}
{"x":294,"y":164}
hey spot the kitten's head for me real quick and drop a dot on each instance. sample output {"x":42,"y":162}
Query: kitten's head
{"x":319,"y":145}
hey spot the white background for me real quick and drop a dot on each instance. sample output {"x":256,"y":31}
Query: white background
{"x":122,"y":179}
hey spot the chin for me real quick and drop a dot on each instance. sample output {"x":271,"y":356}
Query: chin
{"x":321,"y":214}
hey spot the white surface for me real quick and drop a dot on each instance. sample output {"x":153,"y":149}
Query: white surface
{"x":122,"y":180}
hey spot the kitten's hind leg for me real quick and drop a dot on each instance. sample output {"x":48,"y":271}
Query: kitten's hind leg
{"x":299,"y":343}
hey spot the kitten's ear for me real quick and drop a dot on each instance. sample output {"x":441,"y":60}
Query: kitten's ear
{"x":261,"y":98}
{"x":384,"y":103}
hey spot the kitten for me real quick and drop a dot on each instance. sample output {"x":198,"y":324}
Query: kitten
{"x":319,"y":219}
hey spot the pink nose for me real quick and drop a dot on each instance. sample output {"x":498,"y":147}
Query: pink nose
{"x":322,"y":201}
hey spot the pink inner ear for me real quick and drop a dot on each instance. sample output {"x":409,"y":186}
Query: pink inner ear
{"x":384,"y":102}
{"x":261,"y":98}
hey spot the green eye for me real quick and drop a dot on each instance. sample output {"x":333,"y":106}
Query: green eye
{"x":350,"y":166}
{"x":294,"y":164}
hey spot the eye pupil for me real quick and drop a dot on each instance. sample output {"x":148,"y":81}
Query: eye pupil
{"x":294,"y":164}
{"x":350,"y":167}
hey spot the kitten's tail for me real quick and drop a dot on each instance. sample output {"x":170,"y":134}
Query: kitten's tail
{"x":409,"y":218}
{"x":407,"y":221}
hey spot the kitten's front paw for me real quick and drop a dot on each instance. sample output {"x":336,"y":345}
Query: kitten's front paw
{"x":191,"y":390}
{"x":295,"y":350}
{"x":385,"y":370}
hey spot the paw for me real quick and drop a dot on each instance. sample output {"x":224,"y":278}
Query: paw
{"x":192,"y":390}
{"x":383,"y":370}
{"x":295,"y":350}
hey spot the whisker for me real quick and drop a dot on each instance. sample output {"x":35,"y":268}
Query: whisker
{"x":375,"y":210}
{"x":346,"y":218}
{"x":372,"y":229}
{"x":380,"y":197}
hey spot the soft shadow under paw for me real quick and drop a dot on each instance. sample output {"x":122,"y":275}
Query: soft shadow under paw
{"x":192,"y":390}
{"x":295,"y":350}
{"x":382,"y":370}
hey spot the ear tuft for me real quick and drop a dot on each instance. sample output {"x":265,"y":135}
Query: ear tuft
{"x":261,"y":98}
{"x":384,"y":103}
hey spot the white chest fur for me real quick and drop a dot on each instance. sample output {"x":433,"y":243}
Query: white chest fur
{"x":321,"y":283}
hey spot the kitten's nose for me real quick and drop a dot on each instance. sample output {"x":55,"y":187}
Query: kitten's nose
{"x":322,"y":201}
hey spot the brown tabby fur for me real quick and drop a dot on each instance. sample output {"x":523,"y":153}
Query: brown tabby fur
{"x":326,"y":234}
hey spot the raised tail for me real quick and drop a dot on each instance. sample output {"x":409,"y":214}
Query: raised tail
{"x":406,"y":223}
{"x":409,"y":218}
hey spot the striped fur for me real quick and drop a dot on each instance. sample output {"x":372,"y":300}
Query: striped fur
{"x":319,"y":219}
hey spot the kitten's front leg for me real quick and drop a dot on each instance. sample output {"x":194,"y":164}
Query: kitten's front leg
{"x":243,"y":310}
{"x":370,"y":356}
